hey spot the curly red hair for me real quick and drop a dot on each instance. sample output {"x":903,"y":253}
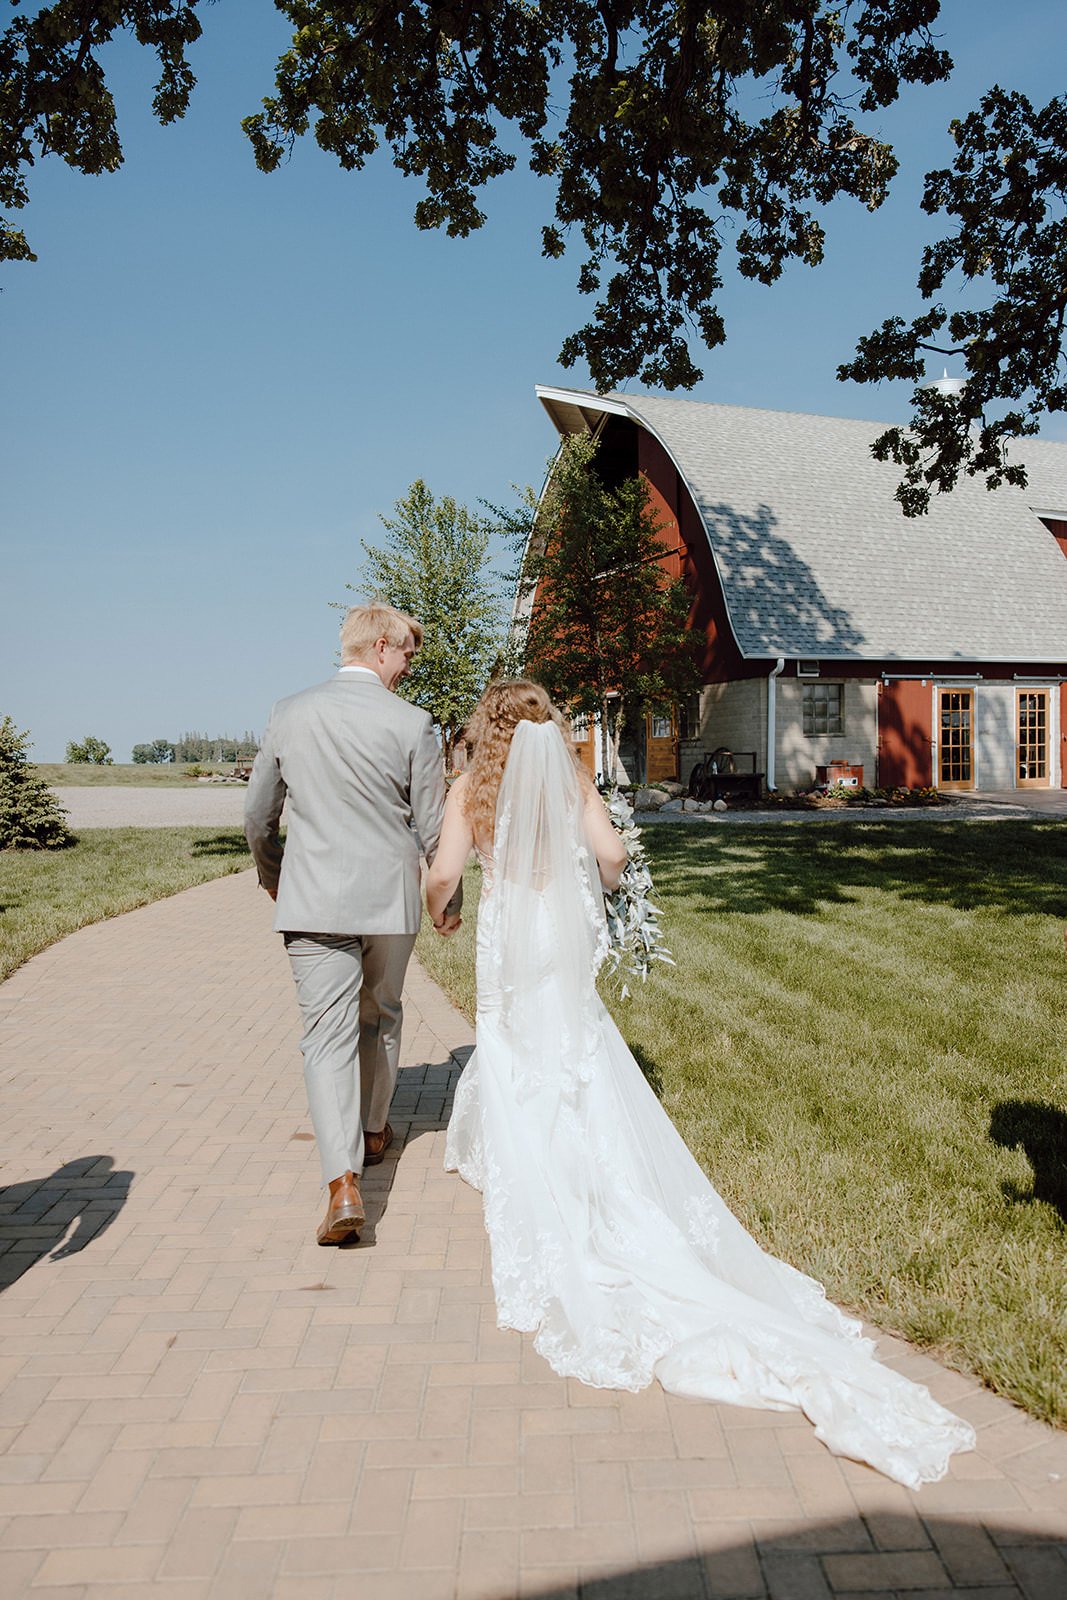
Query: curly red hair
{"x":489,"y":733}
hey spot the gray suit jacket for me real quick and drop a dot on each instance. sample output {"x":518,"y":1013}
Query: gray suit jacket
{"x":364,"y":780}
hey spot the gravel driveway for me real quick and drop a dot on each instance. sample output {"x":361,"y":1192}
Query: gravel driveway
{"x":209,"y":805}
{"x":222,"y":805}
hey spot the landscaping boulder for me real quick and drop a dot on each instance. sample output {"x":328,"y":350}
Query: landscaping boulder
{"x":720,"y":805}
{"x":649,"y":799}
{"x":673,"y":789}
{"x":672,"y":805}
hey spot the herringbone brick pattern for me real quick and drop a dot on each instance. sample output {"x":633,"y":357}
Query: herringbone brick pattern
{"x":197,"y":1402}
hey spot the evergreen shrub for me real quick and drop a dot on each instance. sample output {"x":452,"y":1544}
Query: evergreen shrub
{"x":31,"y":817}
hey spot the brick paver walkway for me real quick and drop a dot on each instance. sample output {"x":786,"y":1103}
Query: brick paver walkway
{"x":198,"y":1403}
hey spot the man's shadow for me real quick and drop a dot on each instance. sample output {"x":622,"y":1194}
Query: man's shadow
{"x":422,"y":1103}
{"x":1041,"y":1131}
{"x":36,"y":1216}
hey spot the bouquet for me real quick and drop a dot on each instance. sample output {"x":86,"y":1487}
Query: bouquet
{"x":635,"y":938}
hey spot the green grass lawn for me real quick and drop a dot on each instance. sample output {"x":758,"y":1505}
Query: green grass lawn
{"x":46,"y":894}
{"x":84,"y":775}
{"x":864,"y":1043}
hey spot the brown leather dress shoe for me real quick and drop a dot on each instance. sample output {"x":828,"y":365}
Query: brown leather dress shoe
{"x":344,"y":1214}
{"x":375,"y":1145}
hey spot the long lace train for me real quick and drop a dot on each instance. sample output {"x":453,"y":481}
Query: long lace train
{"x":608,"y":1242}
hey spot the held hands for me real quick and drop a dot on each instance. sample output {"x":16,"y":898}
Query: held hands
{"x":448,"y":924}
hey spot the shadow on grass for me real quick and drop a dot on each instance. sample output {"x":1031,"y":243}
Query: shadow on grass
{"x":650,"y":1068}
{"x":1005,"y":866}
{"x":222,"y":844}
{"x":36,"y":1215}
{"x":1041,"y":1131}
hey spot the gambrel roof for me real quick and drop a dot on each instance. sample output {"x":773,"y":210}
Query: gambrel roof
{"x":815,"y":557}
{"x":1046,"y":470}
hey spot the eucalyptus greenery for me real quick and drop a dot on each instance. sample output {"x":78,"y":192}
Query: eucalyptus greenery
{"x":635,"y":938}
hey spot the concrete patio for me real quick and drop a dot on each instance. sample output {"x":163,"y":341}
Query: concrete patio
{"x":198,"y":1403}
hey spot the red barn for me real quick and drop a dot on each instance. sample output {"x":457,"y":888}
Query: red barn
{"x":928,"y":651}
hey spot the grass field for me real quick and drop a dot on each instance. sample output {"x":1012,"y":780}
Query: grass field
{"x":864,"y":1042}
{"x":84,"y":775}
{"x":46,"y":894}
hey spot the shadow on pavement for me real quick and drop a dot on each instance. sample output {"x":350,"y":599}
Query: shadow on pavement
{"x":36,"y":1215}
{"x":421,"y":1104}
{"x":881,"y":1556}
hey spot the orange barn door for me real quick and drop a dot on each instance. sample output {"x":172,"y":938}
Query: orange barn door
{"x":904,"y":736}
{"x":584,"y":743}
{"x":661,"y":746}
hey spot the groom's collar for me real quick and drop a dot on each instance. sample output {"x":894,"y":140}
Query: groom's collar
{"x":367,"y":672}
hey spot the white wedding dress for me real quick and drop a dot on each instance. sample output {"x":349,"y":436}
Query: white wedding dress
{"x":608,"y":1242}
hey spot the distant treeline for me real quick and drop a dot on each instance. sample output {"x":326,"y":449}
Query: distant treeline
{"x":197,"y":748}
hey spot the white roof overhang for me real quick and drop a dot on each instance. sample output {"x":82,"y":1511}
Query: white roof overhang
{"x":578,"y":413}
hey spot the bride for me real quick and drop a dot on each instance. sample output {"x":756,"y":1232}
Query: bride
{"x":608,"y":1242}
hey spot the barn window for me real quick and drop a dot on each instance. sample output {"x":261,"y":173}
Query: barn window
{"x":823,"y":705}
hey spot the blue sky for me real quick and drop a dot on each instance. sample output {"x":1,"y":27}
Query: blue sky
{"x":215,"y":379}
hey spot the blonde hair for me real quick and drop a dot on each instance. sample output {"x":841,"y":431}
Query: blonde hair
{"x":488,"y":734}
{"x":365,"y":625}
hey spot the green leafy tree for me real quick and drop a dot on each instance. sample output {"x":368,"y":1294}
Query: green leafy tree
{"x":197,"y":747}
{"x":92,"y":751}
{"x":435,"y":566}
{"x":1005,"y":202}
{"x":679,"y":137}
{"x":54,"y":98}
{"x":606,"y":629}
{"x":157,"y":753}
{"x":31,"y":817}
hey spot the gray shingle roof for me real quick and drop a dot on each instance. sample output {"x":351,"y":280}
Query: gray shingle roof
{"x":816,"y":559}
{"x":1046,"y":470}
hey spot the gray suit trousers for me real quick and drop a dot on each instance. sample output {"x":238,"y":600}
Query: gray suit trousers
{"x":349,"y":988}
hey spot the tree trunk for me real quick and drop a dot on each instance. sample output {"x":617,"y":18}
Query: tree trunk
{"x":616,"y":740}
{"x":602,"y":695}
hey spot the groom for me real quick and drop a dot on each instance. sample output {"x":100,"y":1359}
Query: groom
{"x":363,"y":777}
